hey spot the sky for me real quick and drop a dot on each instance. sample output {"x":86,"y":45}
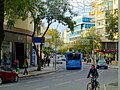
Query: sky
{"x":82,"y":7}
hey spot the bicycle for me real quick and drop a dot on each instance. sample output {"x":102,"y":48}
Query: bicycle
{"x":93,"y":84}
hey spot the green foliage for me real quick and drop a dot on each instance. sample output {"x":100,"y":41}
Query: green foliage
{"x":111,"y":25}
{"x":63,"y":50}
{"x":55,"y":41}
{"x":85,"y":42}
{"x":56,"y":10}
{"x":16,"y":9}
{"x":51,"y":10}
{"x":47,"y":50}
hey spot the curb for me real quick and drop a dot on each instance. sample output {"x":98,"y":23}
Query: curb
{"x":36,"y":74}
{"x":115,"y":67}
{"x":41,"y":73}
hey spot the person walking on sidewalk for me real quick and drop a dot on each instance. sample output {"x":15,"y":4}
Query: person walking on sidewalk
{"x":48,"y":61}
{"x":16,"y":65}
{"x":25,"y":66}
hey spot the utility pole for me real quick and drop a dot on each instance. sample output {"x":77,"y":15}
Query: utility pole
{"x":93,"y":51}
{"x":119,"y":44}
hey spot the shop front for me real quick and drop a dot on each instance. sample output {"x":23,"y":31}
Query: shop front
{"x":16,"y":46}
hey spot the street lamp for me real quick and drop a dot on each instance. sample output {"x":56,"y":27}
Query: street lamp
{"x":119,"y":44}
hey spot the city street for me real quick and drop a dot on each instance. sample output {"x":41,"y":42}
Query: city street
{"x":62,"y":80}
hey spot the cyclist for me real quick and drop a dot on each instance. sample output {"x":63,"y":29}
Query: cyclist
{"x":94,"y":73}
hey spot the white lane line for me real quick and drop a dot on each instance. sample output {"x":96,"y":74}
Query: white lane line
{"x":49,"y":78}
{"x":42,"y":88}
{"x":57,"y":79}
{"x":33,"y":81}
{"x":63,"y":83}
{"x":10,"y":85}
{"x":80,"y":79}
{"x":101,"y":71}
{"x":60,"y":76}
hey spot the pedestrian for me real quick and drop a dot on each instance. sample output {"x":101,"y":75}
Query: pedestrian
{"x":16,"y":65}
{"x":48,"y":61}
{"x":25,"y":66}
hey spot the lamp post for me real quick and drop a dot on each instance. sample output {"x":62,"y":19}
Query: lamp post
{"x":93,"y":52}
{"x":119,"y":44}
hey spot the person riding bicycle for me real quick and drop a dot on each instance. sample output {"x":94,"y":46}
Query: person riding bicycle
{"x":94,"y":73}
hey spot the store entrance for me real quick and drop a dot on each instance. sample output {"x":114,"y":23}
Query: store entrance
{"x":20,"y":53}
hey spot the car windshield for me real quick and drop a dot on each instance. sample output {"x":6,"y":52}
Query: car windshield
{"x":101,"y":61}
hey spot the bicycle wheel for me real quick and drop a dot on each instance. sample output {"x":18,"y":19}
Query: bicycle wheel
{"x":89,"y":86}
{"x":97,"y":87}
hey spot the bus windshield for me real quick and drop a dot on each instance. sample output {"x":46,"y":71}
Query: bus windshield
{"x":73,"y":56}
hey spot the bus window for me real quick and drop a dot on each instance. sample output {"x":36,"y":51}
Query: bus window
{"x":73,"y":56}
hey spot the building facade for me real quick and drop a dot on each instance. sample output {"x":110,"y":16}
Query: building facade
{"x":100,"y":8}
{"x":17,"y":43}
{"x":83,"y":23}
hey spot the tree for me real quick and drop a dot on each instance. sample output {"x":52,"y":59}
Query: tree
{"x":63,"y":49}
{"x":111,"y":25}
{"x":55,"y":11}
{"x":51,"y":10}
{"x":2,"y":35}
{"x":85,"y":42}
{"x":53,"y":41}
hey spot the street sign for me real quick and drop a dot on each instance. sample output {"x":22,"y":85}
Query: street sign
{"x":46,"y":44}
{"x":39,"y":39}
{"x":48,"y":37}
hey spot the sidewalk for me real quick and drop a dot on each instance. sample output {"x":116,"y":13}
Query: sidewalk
{"x":111,"y":86}
{"x":32,"y":71}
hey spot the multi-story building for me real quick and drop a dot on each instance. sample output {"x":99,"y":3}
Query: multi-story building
{"x":83,"y":23}
{"x":99,"y":11}
{"x":17,"y":43}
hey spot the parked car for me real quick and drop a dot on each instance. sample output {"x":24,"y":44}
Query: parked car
{"x":60,"y":59}
{"x":102,"y":64}
{"x":89,"y":60}
{"x":7,"y":74}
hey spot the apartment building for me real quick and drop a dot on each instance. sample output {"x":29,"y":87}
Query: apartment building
{"x":99,"y":11}
{"x":83,"y":23}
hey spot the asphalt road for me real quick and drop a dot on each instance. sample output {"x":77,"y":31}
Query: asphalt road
{"x":62,"y":80}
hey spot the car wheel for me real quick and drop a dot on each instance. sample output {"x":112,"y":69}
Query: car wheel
{"x":97,"y":67}
{"x":16,"y":79}
{"x":106,"y":67}
{"x":1,"y":81}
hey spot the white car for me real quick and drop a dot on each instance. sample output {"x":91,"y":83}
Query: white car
{"x":102,"y":64}
{"x":60,"y":59}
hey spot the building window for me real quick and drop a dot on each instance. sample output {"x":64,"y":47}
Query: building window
{"x":6,"y":53}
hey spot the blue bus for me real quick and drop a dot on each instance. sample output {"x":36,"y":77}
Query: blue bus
{"x":73,"y":60}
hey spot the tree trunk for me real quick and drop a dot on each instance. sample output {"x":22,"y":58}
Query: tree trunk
{"x":42,"y":43}
{"x":2,"y":35}
{"x":36,"y":49}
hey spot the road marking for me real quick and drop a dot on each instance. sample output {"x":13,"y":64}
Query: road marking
{"x":57,"y":79}
{"x":46,"y":87}
{"x":9,"y":85}
{"x":80,"y":79}
{"x":101,"y":71}
{"x":63,"y":83}
{"x":33,"y":81}
{"x":60,"y":76}
{"x":49,"y":78}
